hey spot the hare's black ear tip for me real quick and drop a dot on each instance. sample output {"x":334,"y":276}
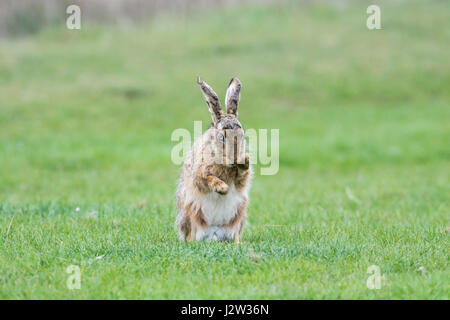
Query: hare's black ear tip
{"x":236,"y":80}
{"x":199,"y":80}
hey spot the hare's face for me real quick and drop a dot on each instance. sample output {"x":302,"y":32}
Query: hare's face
{"x":229,"y":139}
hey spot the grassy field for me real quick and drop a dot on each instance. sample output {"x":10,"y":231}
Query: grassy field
{"x":86,"y":177}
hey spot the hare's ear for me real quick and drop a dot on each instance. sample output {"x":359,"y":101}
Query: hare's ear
{"x":212,"y":100}
{"x":233,"y":95}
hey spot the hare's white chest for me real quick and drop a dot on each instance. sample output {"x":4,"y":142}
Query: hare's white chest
{"x":218,"y":210}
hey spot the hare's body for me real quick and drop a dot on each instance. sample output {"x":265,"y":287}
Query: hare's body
{"x":212,"y":194}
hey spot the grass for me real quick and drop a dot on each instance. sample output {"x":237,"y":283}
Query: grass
{"x":86,"y":118}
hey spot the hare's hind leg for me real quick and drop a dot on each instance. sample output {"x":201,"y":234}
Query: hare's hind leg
{"x":237,"y":224}
{"x":184,"y":226}
{"x":187,"y":230}
{"x":237,"y":240}
{"x":198,"y":225}
{"x":193,"y":233}
{"x":237,"y":235}
{"x":190,"y":223}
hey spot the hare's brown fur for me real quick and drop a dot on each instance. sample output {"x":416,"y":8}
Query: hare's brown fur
{"x":213,"y":187}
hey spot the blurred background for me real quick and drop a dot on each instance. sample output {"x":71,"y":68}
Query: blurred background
{"x":88,"y":114}
{"x":30,"y":16}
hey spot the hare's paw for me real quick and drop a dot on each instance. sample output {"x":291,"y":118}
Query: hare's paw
{"x":221,"y":188}
{"x":217,"y":185}
{"x":246,"y":164}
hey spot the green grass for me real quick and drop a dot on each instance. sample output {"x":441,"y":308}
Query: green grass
{"x":86,"y":118}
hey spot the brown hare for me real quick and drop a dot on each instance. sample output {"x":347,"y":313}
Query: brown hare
{"x":213,"y":188}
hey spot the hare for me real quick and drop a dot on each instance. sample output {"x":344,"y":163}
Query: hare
{"x":213,"y":188}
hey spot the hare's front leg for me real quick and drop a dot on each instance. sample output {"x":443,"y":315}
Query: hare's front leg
{"x":217,"y":185}
{"x":243,"y":173}
{"x":244,"y":166}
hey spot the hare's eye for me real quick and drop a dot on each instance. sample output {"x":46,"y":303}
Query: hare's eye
{"x":221,"y":137}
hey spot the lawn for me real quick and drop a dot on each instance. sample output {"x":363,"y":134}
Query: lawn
{"x":86,"y":176}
